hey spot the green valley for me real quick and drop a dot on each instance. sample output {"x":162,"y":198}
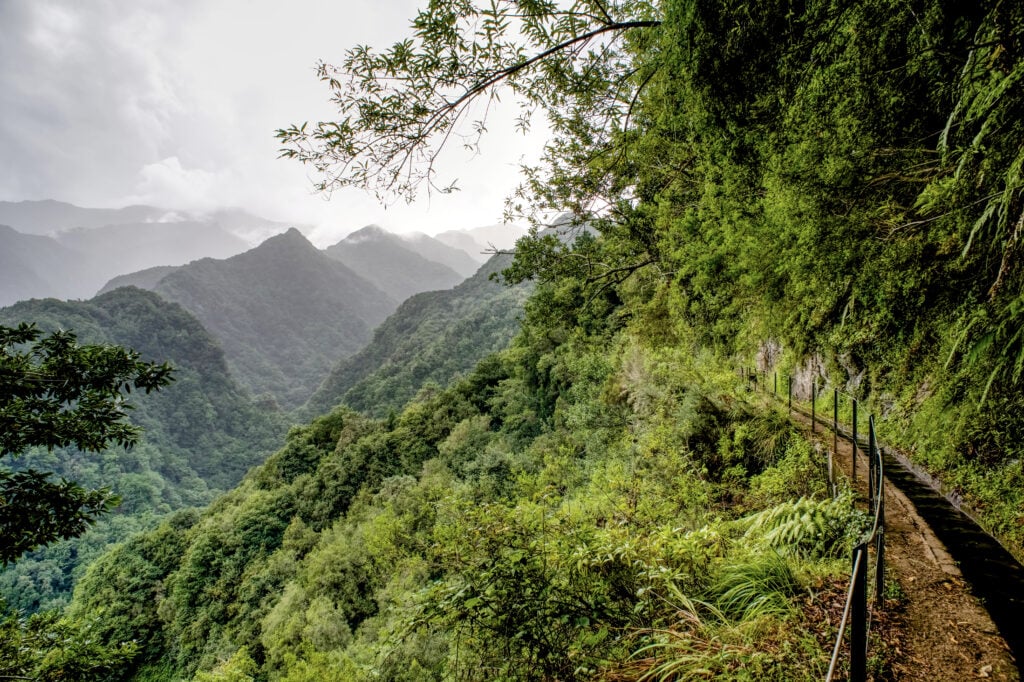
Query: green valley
{"x":566,"y":478}
{"x":202,"y":434}
{"x":432,"y":338}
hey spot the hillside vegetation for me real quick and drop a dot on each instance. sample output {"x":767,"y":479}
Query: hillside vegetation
{"x":829,"y":189}
{"x":201,"y":434}
{"x":432,"y":338}
{"x":569,"y":508}
{"x":284,"y":313}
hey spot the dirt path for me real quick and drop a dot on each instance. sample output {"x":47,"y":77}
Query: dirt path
{"x":943,"y":632}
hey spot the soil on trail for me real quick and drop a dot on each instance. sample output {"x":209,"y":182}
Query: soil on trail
{"x":946,"y":633}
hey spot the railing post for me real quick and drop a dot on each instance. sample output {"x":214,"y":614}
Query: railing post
{"x":880,"y":538}
{"x":859,"y":616}
{"x":814,"y":398}
{"x":853,"y":456}
{"x":835,"y":420}
{"x":790,"y":378}
{"x":879,"y":564}
{"x":871,"y":463}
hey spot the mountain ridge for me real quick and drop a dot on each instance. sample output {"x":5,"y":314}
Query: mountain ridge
{"x":284,"y":312}
{"x":386,"y":260}
{"x":431,"y":338}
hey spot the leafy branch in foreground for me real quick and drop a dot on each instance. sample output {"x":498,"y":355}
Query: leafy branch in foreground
{"x":399,"y":108}
{"x":57,"y":393}
{"x":47,"y":646}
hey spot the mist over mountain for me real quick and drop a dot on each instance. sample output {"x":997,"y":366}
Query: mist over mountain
{"x":51,"y":248}
{"x":435,"y":250}
{"x":55,"y":249}
{"x":49,"y":216}
{"x":77,"y":262}
{"x":284,"y":312}
{"x":128,"y":247}
{"x":432,"y":337}
{"x":478,"y":242}
{"x":34,"y":266}
{"x":386,"y":260}
{"x":253,"y":229}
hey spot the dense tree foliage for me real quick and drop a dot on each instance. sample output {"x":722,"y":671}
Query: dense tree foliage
{"x":201,"y":433}
{"x":432,"y":338}
{"x":48,"y":647}
{"x":55,"y":392}
{"x":831,"y":189}
{"x":398,"y":107}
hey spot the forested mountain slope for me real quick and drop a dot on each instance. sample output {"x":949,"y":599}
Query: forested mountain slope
{"x":541,"y":518}
{"x":202,"y":433}
{"x":391,"y":263}
{"x":829,"y":190}
{"x":284,"y":312}
{"x":432,"y":338}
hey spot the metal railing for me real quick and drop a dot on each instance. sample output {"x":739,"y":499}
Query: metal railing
{"x":856,"y":610}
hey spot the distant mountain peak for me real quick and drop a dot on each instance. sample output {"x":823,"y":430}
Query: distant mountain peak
{"x":392,"y":263}
{"x":290,"y":239}
{"x":371,"y":232}
{"x":283,"y":311}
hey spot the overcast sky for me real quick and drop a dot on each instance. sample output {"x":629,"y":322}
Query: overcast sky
{"x":105,"y":103}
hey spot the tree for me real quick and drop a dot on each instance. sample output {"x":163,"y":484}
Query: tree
{"x":583,"y":65}
{"x":57,"y":393}
{"x":399,"y":108}
{"x":47,"y":646}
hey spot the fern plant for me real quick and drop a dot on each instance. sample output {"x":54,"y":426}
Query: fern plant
{"x":805,"y":527}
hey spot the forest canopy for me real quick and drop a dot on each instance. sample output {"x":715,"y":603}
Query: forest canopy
{"x":848,"y":142}
{"x":830,"y":190}
{"x":54,"y":393}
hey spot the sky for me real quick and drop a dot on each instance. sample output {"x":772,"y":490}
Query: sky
{"x":106,"y":103}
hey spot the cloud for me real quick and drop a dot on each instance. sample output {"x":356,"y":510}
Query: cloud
{"x":109,"y":102}
{"x":167,"y":183}
{"x":84,"y":101}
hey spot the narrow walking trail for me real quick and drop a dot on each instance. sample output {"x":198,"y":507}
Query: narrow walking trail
{"x":962,"y":612}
